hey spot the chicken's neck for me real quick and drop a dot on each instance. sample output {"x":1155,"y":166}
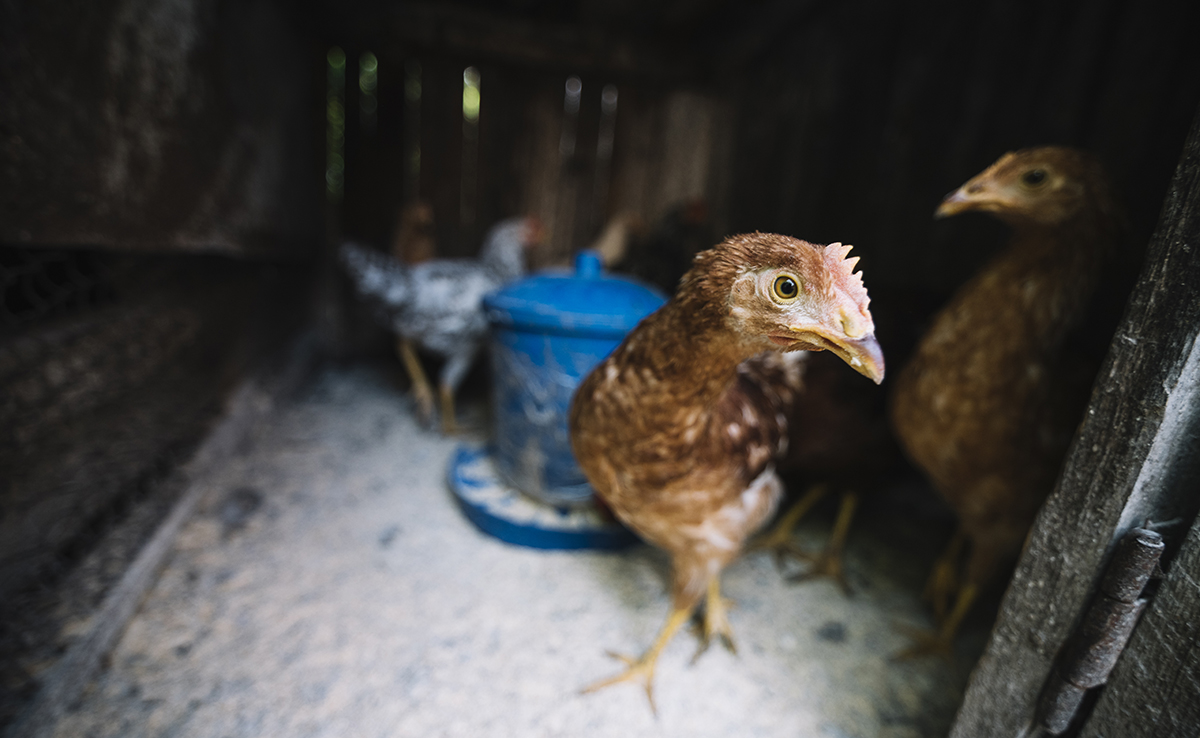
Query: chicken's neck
{"x":686,"y":349}
{"x":1061,"y":266}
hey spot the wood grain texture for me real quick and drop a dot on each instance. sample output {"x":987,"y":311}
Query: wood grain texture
{"x":1140,"y":412}
{"x":164,"y":127}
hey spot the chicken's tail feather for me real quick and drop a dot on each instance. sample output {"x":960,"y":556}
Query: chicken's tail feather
{"x":375,"y":275}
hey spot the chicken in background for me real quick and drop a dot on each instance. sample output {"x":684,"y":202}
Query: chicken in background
{"x":660,"y":255}
{"x":838,"y":442}
{"x":612,"y":245}
{"x":437,"y":305}
{"x":679,"y":430}
{"x":414,"y":241}
{"x":841,"y":442}
{"x":995,"y":390}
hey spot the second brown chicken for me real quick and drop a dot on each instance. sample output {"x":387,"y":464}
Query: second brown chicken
{"x":992,"y":396}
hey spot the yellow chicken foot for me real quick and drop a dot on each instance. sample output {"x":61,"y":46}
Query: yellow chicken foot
{"x":449,"y":425}
{"x":830,"y":562}
{"x":779,"y":539}
{"x":943,"y":578}
{"x":422,"y":392}
{"x":641,"y":669}
{"x":940,"y":642}
{"x":716,"y":620}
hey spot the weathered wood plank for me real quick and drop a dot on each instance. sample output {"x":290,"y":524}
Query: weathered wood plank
{"x":441,"y":150}
{"x":540,"y":162}
{"x":637,"y":154}
{"x":1125,"y":466}
{"x":1155,"y":689}
{"x":167,"y":128}
{"x":688,"y":143}
{"x":569,"y":47}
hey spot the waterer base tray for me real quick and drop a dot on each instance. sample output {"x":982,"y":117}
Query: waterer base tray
{"x":505,"y":513}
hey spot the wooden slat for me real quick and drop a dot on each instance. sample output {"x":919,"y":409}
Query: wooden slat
{"x":671,"y":147}
{"x":128,"y":128}
{"x":541,"y":162}
{"x":441,"y":150}
{"x":568,"y":47}
{"x":690,"y":121}
{"x":1125,"y":466}
{"x":637,"y":155}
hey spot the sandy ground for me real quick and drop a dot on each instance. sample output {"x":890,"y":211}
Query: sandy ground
{"x":330,"y":586}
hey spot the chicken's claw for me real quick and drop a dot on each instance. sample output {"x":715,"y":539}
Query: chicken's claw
{"x":780,"y":548}
{"x":778,"y":540}
{"x":941,"y":641}
{"x":826,"y":564}
{"x":640,"y":671}
{"x":829,"y":563}
{"x":925,"y":642}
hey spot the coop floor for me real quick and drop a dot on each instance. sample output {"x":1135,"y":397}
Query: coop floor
{"x":356,"y":600}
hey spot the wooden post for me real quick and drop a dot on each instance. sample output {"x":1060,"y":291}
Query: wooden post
{"x":1132,"y":461}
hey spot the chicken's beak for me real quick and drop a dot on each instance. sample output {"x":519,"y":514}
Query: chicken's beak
{"x":955,"y":203}
{"x":980,"y":193}
{"x":864,"y":355}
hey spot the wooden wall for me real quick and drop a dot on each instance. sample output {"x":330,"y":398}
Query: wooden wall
{"x":854,"y":120}
{"x":157,"y":125}
{"x":670,"y":145}
{"x":155,"y":155}
{"x":828,"y":121}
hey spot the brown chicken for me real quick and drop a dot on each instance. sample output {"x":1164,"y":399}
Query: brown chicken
{"x":995,"y":390}
{"x":679,"y":429}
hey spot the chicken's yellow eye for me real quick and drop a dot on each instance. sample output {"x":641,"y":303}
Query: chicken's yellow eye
{"x":786,"y":287}
{"x":1034,"y":178}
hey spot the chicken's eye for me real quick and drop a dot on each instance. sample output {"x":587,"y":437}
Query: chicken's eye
{"x":786,"y":287}
{"x":1034,"y":177}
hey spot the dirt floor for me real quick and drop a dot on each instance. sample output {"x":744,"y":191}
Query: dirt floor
{"x":330,"y":586}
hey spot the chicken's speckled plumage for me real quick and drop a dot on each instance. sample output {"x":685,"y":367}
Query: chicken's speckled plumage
{"x":992,"y":396}
{"x":679,"y":429}
{"x":438,"y":305}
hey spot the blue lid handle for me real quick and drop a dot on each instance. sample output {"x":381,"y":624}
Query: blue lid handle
{"x":587,"y":265}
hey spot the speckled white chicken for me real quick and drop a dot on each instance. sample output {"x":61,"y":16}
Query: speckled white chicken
{"x":438,"y":305}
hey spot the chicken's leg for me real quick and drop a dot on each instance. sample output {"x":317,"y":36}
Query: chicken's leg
{"x":641,"y":669}
{"x":453,"y":371}
{"x":716,"y":621}
{"x":779,"y":539}
{"x":829,"y":562}
{"x":422,"y":391}
{"x":943,"y":578}
{"x":449,"y":426}
{"x":980,"y":569}
{"x":941,"y":641}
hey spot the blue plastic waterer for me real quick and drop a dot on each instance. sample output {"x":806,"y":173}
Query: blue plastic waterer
{"x":548,"y":331}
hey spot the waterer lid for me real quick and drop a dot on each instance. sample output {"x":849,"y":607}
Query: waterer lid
{"x":586,"y":302}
